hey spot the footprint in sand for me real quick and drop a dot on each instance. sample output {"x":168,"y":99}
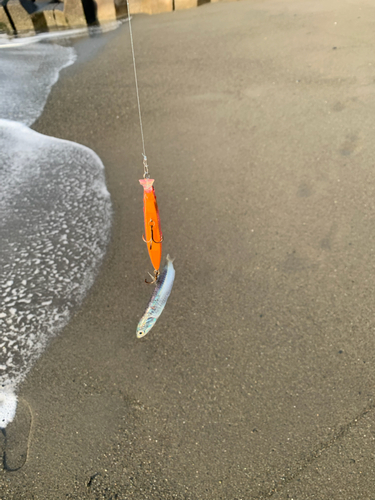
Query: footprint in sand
{"x":15,"y":439}
{"x":350,"y":145}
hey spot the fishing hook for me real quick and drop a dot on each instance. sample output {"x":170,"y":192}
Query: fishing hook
{"x":154,"y":278}
{"x":152,"y":239}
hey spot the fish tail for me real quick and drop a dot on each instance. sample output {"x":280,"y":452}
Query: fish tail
{"x":169,"y":259}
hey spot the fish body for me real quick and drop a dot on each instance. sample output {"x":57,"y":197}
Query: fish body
{"x":158,"y":300}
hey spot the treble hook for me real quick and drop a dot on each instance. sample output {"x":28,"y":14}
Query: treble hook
{"x":152,"y":223}
{"x":154,"y":278}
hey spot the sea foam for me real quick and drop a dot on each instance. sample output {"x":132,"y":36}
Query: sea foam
{"x":55,"y":217}
{"x":27,"y":74}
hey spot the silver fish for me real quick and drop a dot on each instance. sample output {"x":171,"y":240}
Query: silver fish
{"x":158,"y":300}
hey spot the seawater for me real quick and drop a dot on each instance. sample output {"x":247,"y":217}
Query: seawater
{"x":27,"y":73}
{"x":55,"y":216}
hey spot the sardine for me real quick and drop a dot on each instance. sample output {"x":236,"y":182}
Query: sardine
{"x":158,"y":300}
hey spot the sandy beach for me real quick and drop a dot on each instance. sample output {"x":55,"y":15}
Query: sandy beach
{"x":258,"y":379}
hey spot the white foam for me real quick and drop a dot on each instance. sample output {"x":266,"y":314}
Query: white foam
{"x":55,"y":225}
{"x":11,"y":42}
{"x":55,"y":214}
{"x":27,"y":74}
{"x":29,"y":39}
{"x":8,"y":406}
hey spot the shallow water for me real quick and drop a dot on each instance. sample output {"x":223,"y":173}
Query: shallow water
{"x":55,"y":216}
{"x":27,"y":74}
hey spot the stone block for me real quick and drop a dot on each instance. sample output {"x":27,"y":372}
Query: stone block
{"x":39,"y":21}
{"x":55,"y":20}
{"x":5,"y":26}
{"x":121,"y":9}
{"x":135,"y":7}
{"x":60,"y":19}
{"x":150,"y":6}
{"x":50,"y":19}
{"x":21,"y":19}
{"x":185,"y":4}
{"x":105,"y":10}
{"x":55,"y":17}
{"x":74,"y":14}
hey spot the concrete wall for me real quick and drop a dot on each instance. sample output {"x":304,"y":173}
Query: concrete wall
{"x":5,"y":26}
{"x":71,"y":13}
{"x":150,"y":6}
{"x":53,"y":16}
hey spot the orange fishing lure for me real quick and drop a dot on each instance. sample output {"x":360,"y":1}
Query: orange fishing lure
{"x":153,"y":235}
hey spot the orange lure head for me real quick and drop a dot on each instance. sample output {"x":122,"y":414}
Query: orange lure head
{"x":153,"y":235}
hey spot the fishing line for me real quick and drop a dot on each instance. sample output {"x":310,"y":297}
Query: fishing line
{"x":145,"y":166}
{"x":153,"y":236}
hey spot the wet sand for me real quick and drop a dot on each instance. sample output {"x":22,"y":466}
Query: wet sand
{"x":257,"y":380}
